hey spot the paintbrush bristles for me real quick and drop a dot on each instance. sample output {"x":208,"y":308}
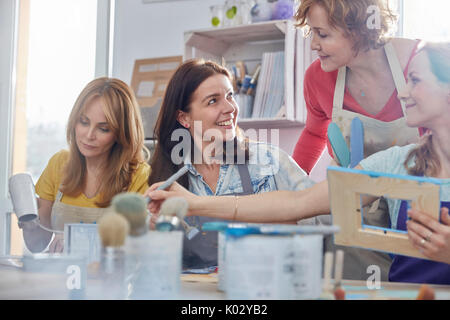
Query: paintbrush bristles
{"x":174,"y":206}
{"x":113,"y":229}
{"x":133,"y":207}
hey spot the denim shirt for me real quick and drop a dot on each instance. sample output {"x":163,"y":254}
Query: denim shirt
{"x":270,"y":169}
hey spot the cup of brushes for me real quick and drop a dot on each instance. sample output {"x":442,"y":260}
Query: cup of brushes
{"x":113,"y":229}
{"x":152,"y":258}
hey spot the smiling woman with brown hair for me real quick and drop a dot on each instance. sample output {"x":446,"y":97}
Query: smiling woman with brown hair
{"x":199,"y":105}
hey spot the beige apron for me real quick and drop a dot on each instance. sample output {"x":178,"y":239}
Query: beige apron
{"x":63,"y":213}
{"x":378,"y":135}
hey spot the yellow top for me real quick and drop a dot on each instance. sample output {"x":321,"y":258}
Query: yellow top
{"x":50,"y":181}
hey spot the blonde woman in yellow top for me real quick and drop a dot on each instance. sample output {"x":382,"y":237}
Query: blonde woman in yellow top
{"x":106,"y":156}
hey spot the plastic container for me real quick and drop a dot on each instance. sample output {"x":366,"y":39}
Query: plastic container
{"x":82,"y":239}
{"x":273,"y":267}
{"x":269,"y":261}
{"x":153,"y":264}
{"x":74,"y":266}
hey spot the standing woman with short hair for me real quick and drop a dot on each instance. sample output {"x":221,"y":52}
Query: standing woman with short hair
{"x":106,"y":156}
{"x":358,"y":74}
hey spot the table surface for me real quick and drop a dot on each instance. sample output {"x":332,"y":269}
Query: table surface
{"x":16,"y":283}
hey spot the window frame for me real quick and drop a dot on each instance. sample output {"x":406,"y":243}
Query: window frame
{"x":9,"y":22}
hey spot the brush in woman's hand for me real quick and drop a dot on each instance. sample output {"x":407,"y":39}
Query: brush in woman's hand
{"x":172,"y":212}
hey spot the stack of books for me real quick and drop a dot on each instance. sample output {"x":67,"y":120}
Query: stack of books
{"x":270,"y":91}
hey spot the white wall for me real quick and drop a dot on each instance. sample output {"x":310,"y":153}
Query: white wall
{"x":154,"y":30}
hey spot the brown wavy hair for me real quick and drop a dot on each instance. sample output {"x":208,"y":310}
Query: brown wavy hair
{"x":426,"y":160}
{"x":124,"y":119}
{"x":178,"y":96}
{"x":352,"y":17}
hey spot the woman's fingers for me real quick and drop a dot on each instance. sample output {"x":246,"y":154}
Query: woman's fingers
{"x":152,"y":188}
{"x":57,"y":245}
{"x":445,"y":217}
{"x":429,"y":236}
{"x":425,"y":220}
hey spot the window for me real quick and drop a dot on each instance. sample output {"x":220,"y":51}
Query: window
{"x":57,"y":56}
{"x":426,"y":20}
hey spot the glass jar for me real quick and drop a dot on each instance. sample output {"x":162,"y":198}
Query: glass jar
{"x":217,"y":15}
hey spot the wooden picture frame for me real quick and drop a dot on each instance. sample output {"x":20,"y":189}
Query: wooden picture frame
{"x":345,"y":189}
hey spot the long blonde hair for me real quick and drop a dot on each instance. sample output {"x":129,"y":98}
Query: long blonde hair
{"x":124,"y":119}
{"x":426,"y":160}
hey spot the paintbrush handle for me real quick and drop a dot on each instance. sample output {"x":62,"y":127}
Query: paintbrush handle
{"x":171,"y":180}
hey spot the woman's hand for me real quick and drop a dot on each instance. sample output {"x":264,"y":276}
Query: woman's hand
{"x":57,"y":245}
{"x":429,"y":236}
{"x":159,"y":196}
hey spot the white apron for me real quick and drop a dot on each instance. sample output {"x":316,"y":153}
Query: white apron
{"x":378,"y":135}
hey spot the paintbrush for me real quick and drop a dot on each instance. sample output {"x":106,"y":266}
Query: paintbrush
{"x":134,"y":208}
{"x":113,"y":229}
{"x":327,"y":288}
{"x":426,"y":293}
{"x":172,"y":213}
{"x":339,"y":293}
{"x":177,"y":175}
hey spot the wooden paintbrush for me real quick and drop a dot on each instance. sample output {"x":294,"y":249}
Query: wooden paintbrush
{"x":113,"y":229}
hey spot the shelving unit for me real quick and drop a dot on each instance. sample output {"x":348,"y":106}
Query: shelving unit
{"x":247,"y":43}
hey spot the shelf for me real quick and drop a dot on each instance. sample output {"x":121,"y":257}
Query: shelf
{"x":248,"y":43}
{"x":266,"y":123}
{"x":261,"y":31}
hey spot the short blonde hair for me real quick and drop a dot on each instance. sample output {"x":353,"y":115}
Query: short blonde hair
{"x":124,"y":119}
{"x":351,"y":16}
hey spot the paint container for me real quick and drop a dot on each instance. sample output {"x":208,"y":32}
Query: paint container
{"x":221,"y":227}
{"x":82,"y":239}
{"x":274,"y":261}
{"x":113,"y":274}
{"x":73,"y":266}
{"x":153,"y":262}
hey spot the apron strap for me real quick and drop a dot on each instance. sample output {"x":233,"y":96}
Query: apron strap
{"x":397,"y":72}
{"x":245,"y":179}
{"x":339,"y":89}
{"x":59,"y":196}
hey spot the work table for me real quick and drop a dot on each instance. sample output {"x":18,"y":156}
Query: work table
{"x":16,"y":283}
